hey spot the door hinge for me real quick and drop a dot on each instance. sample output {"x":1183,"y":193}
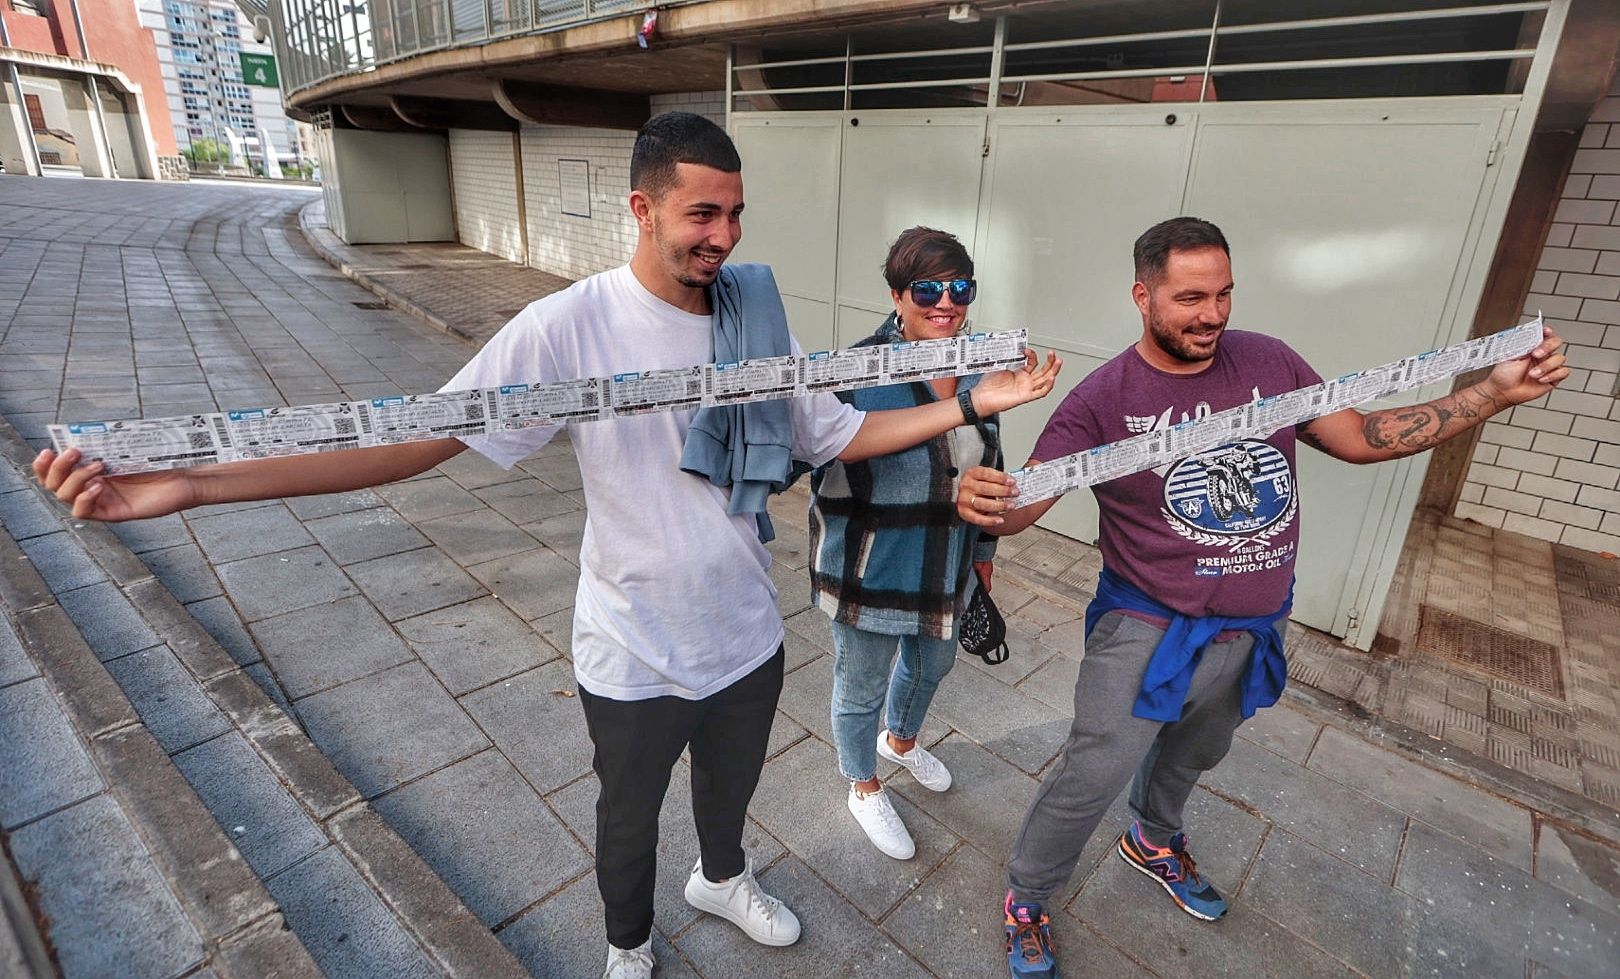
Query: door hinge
{"x":1494,"y":153}
{"x":1353,"y":620}
{"x":984,"y":151}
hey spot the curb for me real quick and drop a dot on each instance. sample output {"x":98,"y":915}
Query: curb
{"x":316,"y":234}
{"x":210,"y":876}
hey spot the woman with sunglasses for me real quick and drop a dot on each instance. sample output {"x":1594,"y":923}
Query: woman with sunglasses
{"x":891,"y":563}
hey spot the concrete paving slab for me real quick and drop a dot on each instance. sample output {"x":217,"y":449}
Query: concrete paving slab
{"x":43,"y":764}
{"x":536,"y":720}
{"x":1328,"y":902}
{"x":184,"y":571}
{"x":414,"y":582}
{"x":473,"y":644}
{"x":248,"y":533}
{"x":265,"y":586}
{"x":836,"y":941}
{"x":532,"y":584}
{"x":107,"y":620}
{"x":792,"y":589}
{"x":564,"y":534}
{"x":562,"y":938}
{"x":1460,"y":809}
{"x":472,"y":471}
{"x":15,"y":665}
{"x":1023,"y":731}
{"x":1579,"y":864}
{"x":218,"y":618}
{"x":986,"y":801}
{"x":260,"y":817}
{"x":1053,"y":684}
{"x":141,"y":536}
{"x":487,"y":834}
{"x":1283,"y":731}
{"x":390,"y":727}
{"x":300,"y":645}
{"x":1357,"y":829}
{"x":785,"y":733}
{"x":803,"y":801}
{"x":331,"y":504}
{"x":558,"y":630}
{"x":172,"y":705}
{"x":361,"y":535}
{"x":348,"y":931}
{"x":424,"y":499}
{"x":62,"y":561}
{"x":109,"y":910}
{"x":477,"y":536}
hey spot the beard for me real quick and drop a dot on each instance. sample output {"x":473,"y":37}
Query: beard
{"x":682,"y":263}
{"x":1173,"y":342}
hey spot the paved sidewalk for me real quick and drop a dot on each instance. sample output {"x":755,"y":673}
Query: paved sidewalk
{"x":419,"y":633}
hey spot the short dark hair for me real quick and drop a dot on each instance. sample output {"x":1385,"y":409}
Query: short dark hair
{"x":1152,"y":250}
{"x":920,"y":252}
{"x":678,"y":137}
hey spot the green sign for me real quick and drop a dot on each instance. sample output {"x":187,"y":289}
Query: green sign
{"x":259,"y":69}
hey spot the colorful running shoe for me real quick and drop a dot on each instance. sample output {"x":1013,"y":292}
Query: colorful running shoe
{"x":1029,"y":941}
{"x":1172,"y":866}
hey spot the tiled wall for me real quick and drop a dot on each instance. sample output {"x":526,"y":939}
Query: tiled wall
{"x":1551,"y":468}
{"x":574,"y":246}
{"x":483,"y":170}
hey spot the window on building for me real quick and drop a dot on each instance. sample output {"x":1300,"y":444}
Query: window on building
{"x":35,"y":7}
{"x":36,"y":113}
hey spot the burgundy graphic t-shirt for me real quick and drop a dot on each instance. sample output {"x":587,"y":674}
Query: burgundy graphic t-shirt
{"x":1213,"y":534}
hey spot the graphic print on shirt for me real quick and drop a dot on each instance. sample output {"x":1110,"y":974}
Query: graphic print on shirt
{"x":1233,"y":500}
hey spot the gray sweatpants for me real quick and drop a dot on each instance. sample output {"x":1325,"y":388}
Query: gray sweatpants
{"x":1107,"y":743}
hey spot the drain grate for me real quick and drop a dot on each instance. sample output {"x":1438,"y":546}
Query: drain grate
{"x":371,"y":304}
{"x":1515,"y":658}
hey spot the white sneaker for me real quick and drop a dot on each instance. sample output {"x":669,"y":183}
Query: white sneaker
{"x":883,"y":825}
{"x":929,"y":771}
{"x":629,"y":963}
{"x":742,"y":902}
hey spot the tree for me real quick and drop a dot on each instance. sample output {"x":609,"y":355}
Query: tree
{"x":207,"y":151}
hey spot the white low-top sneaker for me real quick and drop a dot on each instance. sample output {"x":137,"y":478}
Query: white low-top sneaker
{"x":629,"y":963}
{"x":929,"y":771}
{"x":883,"y":825}
{"x":745,"y":904}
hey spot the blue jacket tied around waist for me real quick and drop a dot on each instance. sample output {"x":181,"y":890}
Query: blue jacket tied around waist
{"x":1169,"y":673}
{"x":746,"y":447}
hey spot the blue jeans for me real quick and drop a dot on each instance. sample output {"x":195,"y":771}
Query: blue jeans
{"x":862,"y":682}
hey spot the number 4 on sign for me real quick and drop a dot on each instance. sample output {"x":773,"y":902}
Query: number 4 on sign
{"x":258,"y":76}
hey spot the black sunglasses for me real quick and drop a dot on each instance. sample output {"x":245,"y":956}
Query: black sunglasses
{"x":927,"y":292}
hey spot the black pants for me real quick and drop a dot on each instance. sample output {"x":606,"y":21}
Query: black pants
{"x":637,"y":744}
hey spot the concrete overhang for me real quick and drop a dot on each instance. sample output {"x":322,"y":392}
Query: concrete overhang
{"x":688,"y":53}
{"x":63,"y":65}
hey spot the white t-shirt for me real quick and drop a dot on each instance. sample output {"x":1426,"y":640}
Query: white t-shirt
{"x":674,"y":598}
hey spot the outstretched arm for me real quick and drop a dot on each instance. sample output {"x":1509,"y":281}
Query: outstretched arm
{"x":94,"y":496}
{"x":1391,"y":433}
{"x":889,"y":431}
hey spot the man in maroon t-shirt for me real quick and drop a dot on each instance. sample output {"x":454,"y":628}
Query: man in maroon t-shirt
{"x":1198,"y":558}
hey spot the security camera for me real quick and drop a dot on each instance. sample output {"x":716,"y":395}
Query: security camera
{"x":261,"y":28}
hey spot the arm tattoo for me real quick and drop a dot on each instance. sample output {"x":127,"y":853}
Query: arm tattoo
{"x":1405,"y":431}
{"x":1309,"y":438}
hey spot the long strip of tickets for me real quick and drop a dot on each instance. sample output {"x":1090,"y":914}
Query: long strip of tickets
{"x":148,"y":445}
{"x":1258,"y":419}
{"x":152,"y":444}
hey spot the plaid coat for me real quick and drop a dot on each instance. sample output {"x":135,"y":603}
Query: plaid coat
{"x":888,"y":553}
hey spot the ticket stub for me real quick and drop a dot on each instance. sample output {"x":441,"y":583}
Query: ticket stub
{"x":638,"y":393}
{"x":1259,"y":419}
{"x":413,"y":418}
{"x":520,"y":406}
{"x":909,"y":361}
{"x":983,"y":352}
{"x":268,"y":433}
{"x":761,"y":379}
{"x":844,"y":370}
{"x":149,"y":444}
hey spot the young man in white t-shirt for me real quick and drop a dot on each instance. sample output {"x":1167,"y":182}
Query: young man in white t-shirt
{"x":677,"y":640}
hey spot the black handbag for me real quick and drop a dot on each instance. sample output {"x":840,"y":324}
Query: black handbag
{"x":983,"y":631}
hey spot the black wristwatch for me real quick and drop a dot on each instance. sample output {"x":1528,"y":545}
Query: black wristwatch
{"x":969,"y":415}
